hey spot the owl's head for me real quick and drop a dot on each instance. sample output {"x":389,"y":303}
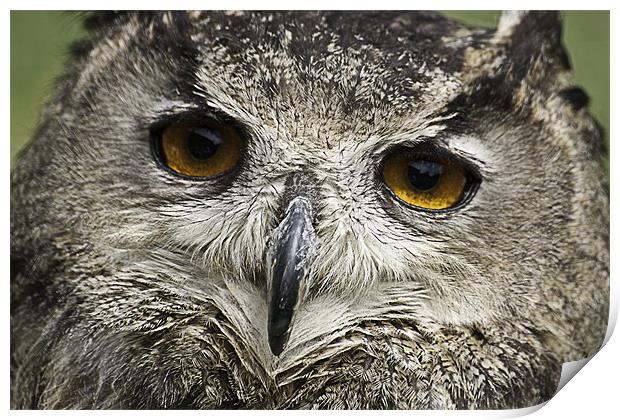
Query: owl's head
{"x":282,"y":208}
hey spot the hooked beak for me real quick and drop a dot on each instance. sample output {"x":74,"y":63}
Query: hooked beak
{"x":292,"y":250}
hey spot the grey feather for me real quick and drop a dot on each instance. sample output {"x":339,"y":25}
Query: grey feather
{"x":134,"y":288}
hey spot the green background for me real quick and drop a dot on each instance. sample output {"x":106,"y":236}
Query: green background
{"x":40,"y":40}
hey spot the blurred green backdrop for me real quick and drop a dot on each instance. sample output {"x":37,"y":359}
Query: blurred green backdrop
{"x":40,"y":39}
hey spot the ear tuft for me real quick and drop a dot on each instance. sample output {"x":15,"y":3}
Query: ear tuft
{"x":533,"y":34}
{"x":537,"y":22}
{"x":509,"y":20}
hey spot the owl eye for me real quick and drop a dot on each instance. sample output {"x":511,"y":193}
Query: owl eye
{"x":199,"y":150}
{"x":426,"y":182}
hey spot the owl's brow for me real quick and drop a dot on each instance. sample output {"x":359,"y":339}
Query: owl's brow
{"x":469,"y":149}
{"x":165,"y":108}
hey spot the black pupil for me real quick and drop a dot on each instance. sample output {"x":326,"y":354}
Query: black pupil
{"x":424,"y":175}
{"x":202,"y":143}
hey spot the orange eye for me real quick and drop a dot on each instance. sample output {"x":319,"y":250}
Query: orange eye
{"x":200,"y":150}
{"x":428,"y":183}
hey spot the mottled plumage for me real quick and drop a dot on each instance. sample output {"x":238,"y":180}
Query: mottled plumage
{"x":135,"y":288}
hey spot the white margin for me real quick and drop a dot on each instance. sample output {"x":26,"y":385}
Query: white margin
{"x":592,"y":395}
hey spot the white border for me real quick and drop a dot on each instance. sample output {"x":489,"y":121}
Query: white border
{"x":592,"y":395}
{"x":310,"y":5}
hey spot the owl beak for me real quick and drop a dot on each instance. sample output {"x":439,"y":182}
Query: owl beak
{"x":293,"y":246}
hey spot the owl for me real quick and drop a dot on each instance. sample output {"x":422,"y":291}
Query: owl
{"x":341,"y":210}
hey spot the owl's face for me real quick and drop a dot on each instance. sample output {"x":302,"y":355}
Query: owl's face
{"x":318,"y":210}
